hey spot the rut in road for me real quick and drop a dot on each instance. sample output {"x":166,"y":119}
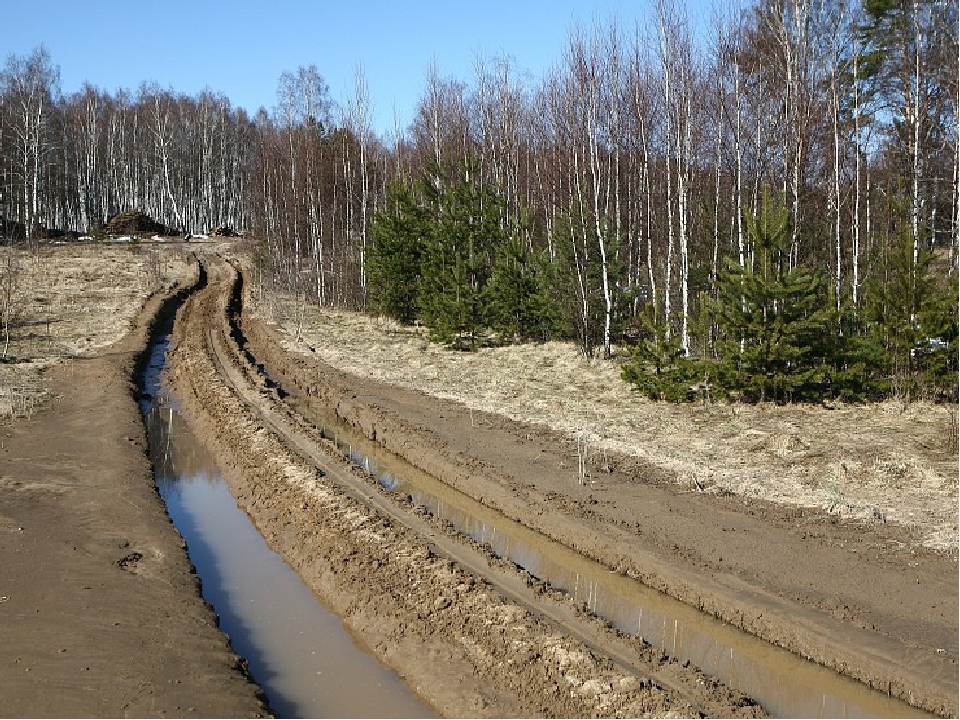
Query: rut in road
{"x":402,"y":584}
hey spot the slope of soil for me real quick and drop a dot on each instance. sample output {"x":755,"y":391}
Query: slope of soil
{"x":100,"y":611}
{"x":708,"y":505}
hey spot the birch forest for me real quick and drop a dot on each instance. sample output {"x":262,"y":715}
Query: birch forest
{"x":764,"y":208}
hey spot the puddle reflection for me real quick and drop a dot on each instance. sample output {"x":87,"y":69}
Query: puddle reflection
{"x":784,"y":684}
{"x":299,"y":652}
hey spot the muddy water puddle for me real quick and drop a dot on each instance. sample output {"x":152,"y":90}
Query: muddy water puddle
{"x":784,"y":684}
{"x":297,"y":651}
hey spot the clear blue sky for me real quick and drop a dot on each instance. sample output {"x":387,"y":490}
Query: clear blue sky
{"x":240,"y":48}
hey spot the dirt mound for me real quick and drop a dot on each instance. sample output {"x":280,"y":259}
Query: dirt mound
{"x":135,"y":221}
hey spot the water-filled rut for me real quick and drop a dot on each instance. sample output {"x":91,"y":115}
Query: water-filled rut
{"x":785,"y":685}
{"x":296,"y":649}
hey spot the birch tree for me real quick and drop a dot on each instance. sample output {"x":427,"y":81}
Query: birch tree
{"x":642,"y":105}
{"x":588,"y":75}
{"x":361,"y":124}
{"x":676,"y":57}
{"x":85,"y":120}
{"x":31,"y":88}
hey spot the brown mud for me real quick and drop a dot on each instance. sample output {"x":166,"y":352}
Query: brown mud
{"x":859,"y":598}
{"x":100,"y":610}
{"x":853,"y":597}
{"x":420,"y":600}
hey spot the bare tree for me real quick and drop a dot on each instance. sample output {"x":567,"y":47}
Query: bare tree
{"x":677,"y":62}
{"x":587,"y":60}
{"x":643,"y":111}
{"x":955,"y":240}
{"x":361,"y":116}
{"x":31,"y":87}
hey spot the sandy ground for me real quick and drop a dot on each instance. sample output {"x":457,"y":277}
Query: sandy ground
{"x":100,"y":612}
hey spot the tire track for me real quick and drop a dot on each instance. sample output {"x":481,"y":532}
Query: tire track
{"x":217,"y":314}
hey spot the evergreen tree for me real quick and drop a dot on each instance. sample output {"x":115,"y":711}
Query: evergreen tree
{"x":519,"y":300}
{"x":398,"y":238}
{"x":659,"y":369}
{"x":861,"y":362}
{"x":913,"y":313}
{"x":458,"y":257}
{"x":774,"y":322}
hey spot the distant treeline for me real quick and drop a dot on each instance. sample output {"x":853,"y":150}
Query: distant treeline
{"x":769,"y":211}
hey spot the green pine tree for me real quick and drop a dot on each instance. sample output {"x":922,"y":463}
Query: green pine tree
{"x":659,"y":369}
{"x":913,"y":312}
{"x":774,"y":321}
{"x":458,"y":257}
{"x":861,"y":364}
{"x":519,"y":304}
{"x":398,"y":237}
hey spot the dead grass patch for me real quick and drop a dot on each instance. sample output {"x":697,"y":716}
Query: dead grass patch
{"x":72,"y":301}
{"x":886,"y":462}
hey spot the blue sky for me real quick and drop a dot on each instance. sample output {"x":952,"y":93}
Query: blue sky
{"x":241,"y":48}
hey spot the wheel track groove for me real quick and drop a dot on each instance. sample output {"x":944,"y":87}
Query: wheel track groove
{"x":237,"y":368}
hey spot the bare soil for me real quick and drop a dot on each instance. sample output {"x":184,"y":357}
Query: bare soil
{"x":100,"y":610}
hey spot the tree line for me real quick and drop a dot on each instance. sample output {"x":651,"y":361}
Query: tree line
{"x":768,"y":209}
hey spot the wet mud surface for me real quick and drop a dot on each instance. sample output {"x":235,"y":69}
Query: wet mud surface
{"x":851,"y":597}
{"x":100,"y":610}
{"x":308,"y":665}
{"x":465,"y":645}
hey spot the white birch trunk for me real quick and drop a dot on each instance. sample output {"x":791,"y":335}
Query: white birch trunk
{"x":595,"y":172}
{"x":581,"y":263}
{"x":836,"y":184}
{"x":855,"y":260}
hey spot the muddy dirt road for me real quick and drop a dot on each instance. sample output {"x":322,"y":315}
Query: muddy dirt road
{"x":463,"y":635}
{"x":475,"y":637}
{"x":100,"y":612}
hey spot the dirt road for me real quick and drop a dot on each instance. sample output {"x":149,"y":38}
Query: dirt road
{"x":465,"y":637}
{"x":848,"y":596}
{"x":100,"y":612}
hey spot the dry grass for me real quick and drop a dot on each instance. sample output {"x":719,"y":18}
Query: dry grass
{"x":883,"y":462}
{"x":72,"y":301}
